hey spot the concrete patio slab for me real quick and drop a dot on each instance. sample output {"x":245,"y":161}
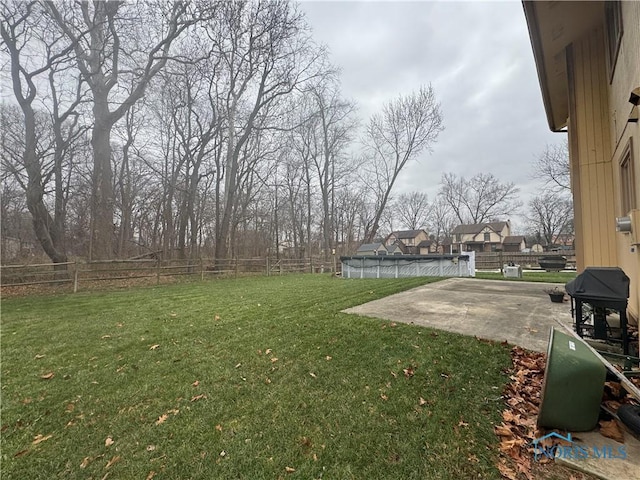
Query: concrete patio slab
{"x":518,"y":312}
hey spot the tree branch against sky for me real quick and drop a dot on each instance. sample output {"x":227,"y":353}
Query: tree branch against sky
{"x":412,"y":210}
{"x":125,"y":48}
{"x":552,"y":167}
{"x":482,"y":198}
{"x":406,"y":126}
{"x":33,"y":51}
{"x":550,"y":215}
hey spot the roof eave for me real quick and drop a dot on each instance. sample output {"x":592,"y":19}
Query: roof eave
{"x":538,"y":54}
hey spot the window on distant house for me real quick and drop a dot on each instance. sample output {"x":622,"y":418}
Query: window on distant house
{"x":613,"y":17}
{"x":627,"y":184}
{"x":487,"y":237}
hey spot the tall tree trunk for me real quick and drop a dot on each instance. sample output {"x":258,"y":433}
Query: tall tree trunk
{"x":102,"y":205}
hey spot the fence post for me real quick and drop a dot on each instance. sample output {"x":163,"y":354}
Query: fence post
{"x":75,"y":277}
{"x":268,"y":267}
{"x":201,"y":270}
{"x":158,"y":271}
{"x":236,"y":268}
{"x":501,"y":264}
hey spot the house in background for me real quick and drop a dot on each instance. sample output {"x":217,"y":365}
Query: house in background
{"x":514,"y":243}
{"x":588,"y":62}
{"x":409,"y":238}
{"x":427,"y":247}
{"x":564,"y":240}
{"x":480,"y":237}
{"x":372,"y":249}
{"x":397,"y":248}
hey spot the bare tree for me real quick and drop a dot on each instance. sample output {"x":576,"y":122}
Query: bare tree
{"x":406,"y":126}
{"x":333,"y":124}
{"x":266,"y":53}
{"x":412,"y":209}
{"x":119,"y":48}
{"x":33,"y":51}
{"x":550,"y":214}
{"x":481,"y":198}
{"x":552,"y":167}
{"x":441,"y":220}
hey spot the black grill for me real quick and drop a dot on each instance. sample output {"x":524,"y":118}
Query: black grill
{"x":599,"y":292}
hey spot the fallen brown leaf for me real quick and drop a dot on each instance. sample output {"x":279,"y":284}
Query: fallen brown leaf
{"x":21,"y":453}
{"x":195,"y":384}
{"x":384,"y":397}
{"x":610,"y":429}
{"x":85,"y":462}
{"x":289,"y":469}
{"x":267,"y":351}
{"x":409,"y":371}
{"x":313,"y":374}
{"x":111,"y":462}
{"x":162,"y":418}
{"x":274,"y":359}
{"x":507,"y":472}
{"x":503,"y":430}
{"x":328,"y":357}
{"x":422,"y":401}
{"x":41,"y":438}
{"x":198,"y":397}
{"x":153,"y":347}
{"x":151,"y":475}
{"x":47,"y":376}
{"x":219,"y":427}
{"x":39,"y":356}
{"x":108,"y":442}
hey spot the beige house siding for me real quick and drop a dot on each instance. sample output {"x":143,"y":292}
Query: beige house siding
{"x":581,"y":91}
{"x":626,"y":77}
{"x":591,"y":150}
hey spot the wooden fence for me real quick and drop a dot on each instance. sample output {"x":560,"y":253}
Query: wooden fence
{"x":495,"y":260}
{"x":78,"y":273}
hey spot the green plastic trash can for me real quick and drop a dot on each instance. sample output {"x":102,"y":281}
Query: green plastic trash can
{"x":573,"y":385}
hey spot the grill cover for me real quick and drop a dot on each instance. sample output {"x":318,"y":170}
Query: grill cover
{"x":601,"y":286}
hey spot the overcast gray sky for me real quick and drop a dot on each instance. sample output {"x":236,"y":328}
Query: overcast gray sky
{"x":477,"y":56}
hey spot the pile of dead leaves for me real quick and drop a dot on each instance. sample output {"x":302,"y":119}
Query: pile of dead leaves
{"x":518,"y":428}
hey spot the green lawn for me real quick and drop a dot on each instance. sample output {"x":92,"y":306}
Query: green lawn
{"x":250,"y":378}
